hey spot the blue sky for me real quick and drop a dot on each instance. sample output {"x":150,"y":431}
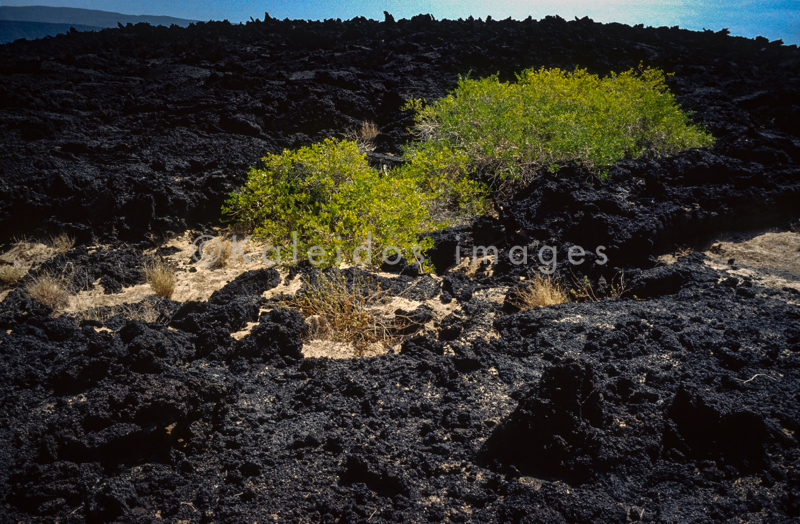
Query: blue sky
{"x":772,"y":19}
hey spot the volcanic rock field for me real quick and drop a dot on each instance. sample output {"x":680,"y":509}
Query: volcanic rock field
{"x":677,"y":401}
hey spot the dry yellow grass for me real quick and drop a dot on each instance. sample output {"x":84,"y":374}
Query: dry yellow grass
{"x":25,"y":254}
{"x":145,"y":311}
{"x":51,"y":290}
{"x":364,"y":136}
{"x":161,"y":277}
{"x":345,"y":313}
{"x":225,"y":250}
{"x":61,"y":243}
{"x":583,"y":291}
{"x":541,"y":291}
{"x":10,"y":275}
{"x":369,"y":131}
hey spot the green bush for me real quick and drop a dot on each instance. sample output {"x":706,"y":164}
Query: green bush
{"x":485,"y":133}
{"x":331,"y":198}
{"x":549,"y":117}
{"x":443,"y":174}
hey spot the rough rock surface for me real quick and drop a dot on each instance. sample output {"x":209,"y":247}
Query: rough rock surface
{"x":678,"y":406}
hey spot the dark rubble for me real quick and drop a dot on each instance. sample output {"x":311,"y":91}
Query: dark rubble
{"x":678,"y":406}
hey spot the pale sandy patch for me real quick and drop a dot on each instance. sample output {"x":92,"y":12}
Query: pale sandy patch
{"x":771,"y":258}
{"x":193,"y":280}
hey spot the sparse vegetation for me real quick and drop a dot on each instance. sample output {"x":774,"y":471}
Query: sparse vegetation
{"x":364,"y":136}
{"x":10,"y":275}
{"x":47,"y":288}
{"x":542,"y":290}
{"x":222,"y":253}
{"x":161,"y":277}
{"x":344,"y":312}
{"x":25,"y":254}
{"x":61,"y":243}
{"x":583,"y":291}
{"x":51,"y":290}
{"x":145,"y":311}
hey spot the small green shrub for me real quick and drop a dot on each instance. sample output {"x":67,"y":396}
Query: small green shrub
{"x":549,"y":117}
{"x":331,"y":198}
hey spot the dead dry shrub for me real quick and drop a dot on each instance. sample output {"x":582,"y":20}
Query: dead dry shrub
{"x":51,"y":290}
{"x":145,"y":311}
{"x":364,"y":136}
{"x":161,"y":277}
{"x":218,"y":253}
{"x":345,"y":312}
{"x":542,"y":290}
{"x":369,"y":131}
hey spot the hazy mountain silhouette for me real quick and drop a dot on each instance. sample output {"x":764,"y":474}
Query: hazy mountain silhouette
{"x":33,"y":22}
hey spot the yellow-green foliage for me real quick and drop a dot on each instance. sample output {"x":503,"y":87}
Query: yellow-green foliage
{"x":443,"y":174}
{"x":485,"y":130}
{"x":330,"y":196}
{"x":549,"y":117}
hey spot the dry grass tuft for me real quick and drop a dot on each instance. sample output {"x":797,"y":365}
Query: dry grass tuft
{"x":541,"y":291}
{"x":161,"y":277}
{"x":10,"y":275}
{"x":342,"y":312}
{"x":25,"y":254}
{"x":145,"y":311}
{"x":583,"y":291}
{"x":61,"y":243}
{"x":51,"y":290}
{"x":364,"y":136}
{"x":225,"y":254}
{"x":369,"y":131}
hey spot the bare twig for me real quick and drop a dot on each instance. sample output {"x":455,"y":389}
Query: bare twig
{"x":757,"y":375}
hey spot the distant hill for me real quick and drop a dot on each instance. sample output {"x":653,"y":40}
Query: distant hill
{"x":33,"y":22}
{"x":11,"y":30}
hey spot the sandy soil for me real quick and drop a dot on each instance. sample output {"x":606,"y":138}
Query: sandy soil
{"x":770,"y":257}
{"x":197,"y":281}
